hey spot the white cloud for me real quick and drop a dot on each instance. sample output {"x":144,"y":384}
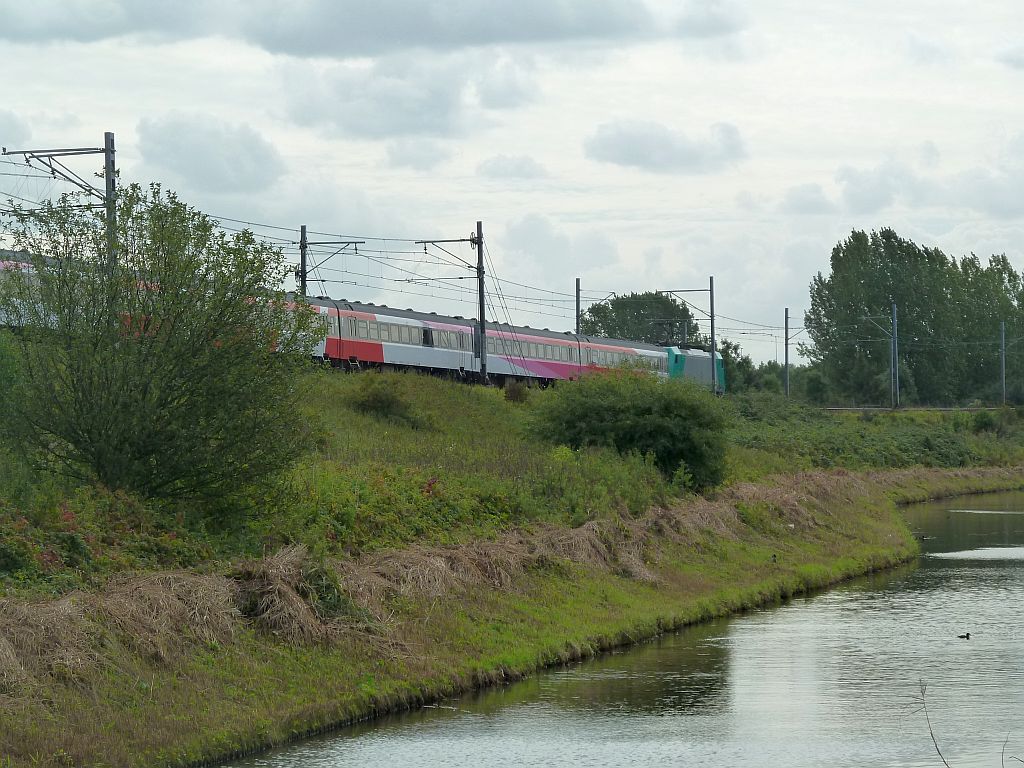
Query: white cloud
{"x":396,"y":96}
{"x":14,"y":131}
{"x":209,"y":155}
{"x":995,"y":189}
{"x":998,"y":193}
{"x":928,"y":50}
{"x":656,"y":148}
{"x":1012,"y":57}
{"x":710,"y":18}
{"x":873,"y":189}
{"x":806,"y":199}
{"x":348,"y":28}
{"x":506,"y":167}
{"x":507,"y":84}
{"x":419,"y":154}
{"x":537,"y":247}
{"x":93,"y":20}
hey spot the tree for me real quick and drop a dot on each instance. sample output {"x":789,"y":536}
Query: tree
{"x":169,"y":371}
{"x":949,"y":315}
{"x":652,"y":317}
{"x":849,"y":319}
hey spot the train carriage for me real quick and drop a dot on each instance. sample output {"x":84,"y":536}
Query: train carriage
{"x":366,"y":335}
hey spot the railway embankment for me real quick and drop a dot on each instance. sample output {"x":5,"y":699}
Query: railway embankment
{"x":430,"y":544}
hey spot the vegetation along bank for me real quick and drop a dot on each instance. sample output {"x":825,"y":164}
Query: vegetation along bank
{"x":207,"y":547}
{"x":418,"y":554}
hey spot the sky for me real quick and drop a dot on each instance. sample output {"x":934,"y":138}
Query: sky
{"x":639,"y":145}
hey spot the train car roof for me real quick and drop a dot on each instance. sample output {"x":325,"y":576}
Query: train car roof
{"x":470,"y":322}
{"x":18,"y":257}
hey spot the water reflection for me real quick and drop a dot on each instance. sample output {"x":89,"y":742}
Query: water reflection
{"x":827,"y":680}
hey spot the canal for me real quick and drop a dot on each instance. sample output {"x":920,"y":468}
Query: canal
{"x":832,"y":679}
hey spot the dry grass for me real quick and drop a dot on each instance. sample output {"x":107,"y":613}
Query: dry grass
{"x":13,"y":676}
{"x":268,"y":593}
{"x":157,"y":612}
{"x":55,"y":638}
{"x":625,"y":546}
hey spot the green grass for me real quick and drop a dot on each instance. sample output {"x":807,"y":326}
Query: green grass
{"x":770,"y":435}
{"x":402,"y":458}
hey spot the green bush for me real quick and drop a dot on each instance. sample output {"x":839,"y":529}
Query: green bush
{"x":379,"y":395}
{"x":677,"y":423}
{"x":516,"y":391}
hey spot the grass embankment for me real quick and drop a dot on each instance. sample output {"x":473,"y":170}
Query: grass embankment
{"x":466,"y":551}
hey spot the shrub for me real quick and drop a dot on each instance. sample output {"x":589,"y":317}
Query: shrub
{"x":379,"y":395}
{"x":985,"y":421}
{"x":172,"y":371}
{"x":516,"y":391}
{"x":677,"y":423}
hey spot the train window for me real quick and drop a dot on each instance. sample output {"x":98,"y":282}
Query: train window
{"x":385,"y":331}
{"x":428,"y":337}
{"x":361,"y":329}
{"x":565,"y":354}
{"x":491,"y":346}
{"x":374,"y":330}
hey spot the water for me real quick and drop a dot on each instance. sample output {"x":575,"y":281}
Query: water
{"x":830,"y":680}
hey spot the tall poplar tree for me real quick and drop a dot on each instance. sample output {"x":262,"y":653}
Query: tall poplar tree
{"x":655,"y":318}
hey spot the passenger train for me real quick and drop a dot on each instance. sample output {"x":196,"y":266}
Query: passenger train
{"x":362,"y":336}
{"x":367,"y":335}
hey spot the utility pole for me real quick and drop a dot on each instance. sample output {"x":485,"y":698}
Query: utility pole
{"x":304,"y":269}
{"x":1002,"y":356}
{"x":785,"y":377}
{"x":303,"y":246}
{"x":110,"y":177}
{"x":714,"y":365}
{"x":482,"y":329}
{"x":710,"y":290}
{"x":50,"y":160}
{"x":577,"y":306}
{"x":476,"y":240}
{"x":895,"y":360}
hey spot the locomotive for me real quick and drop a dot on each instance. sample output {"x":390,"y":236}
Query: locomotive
{"x":362,"y":335}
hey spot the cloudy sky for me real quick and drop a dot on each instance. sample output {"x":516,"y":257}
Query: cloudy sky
{"x":636,"y":144}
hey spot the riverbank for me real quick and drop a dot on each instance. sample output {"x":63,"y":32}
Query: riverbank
{"x":182,"y":667}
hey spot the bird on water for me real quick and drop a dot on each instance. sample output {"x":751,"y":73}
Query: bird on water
{"x":965,"y":636}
